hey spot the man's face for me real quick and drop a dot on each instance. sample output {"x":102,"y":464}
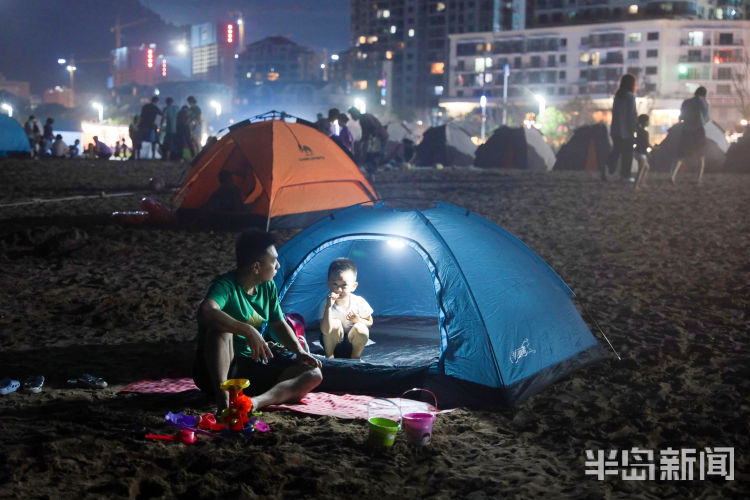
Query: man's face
{"x":268,"y":264}
{"x":342,"y":283}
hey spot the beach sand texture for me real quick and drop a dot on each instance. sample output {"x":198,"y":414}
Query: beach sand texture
{"x":664,"y":271}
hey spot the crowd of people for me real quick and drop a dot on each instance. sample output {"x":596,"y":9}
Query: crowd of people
{"x":174,"y":133}
{"x":630,"y":138}
{"x":369,"y":150}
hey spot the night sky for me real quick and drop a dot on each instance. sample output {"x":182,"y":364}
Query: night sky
{"x":35,"y":33}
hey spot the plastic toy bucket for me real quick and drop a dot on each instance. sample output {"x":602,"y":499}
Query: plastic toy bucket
{"x":382,"y":430}
{"x":418,"y":425}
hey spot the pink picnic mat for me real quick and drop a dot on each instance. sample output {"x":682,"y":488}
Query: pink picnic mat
{"x":161,"y":386}
{"x":351,"y":405}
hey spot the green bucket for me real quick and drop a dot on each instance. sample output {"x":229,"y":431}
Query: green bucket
{"x":382,"y":430}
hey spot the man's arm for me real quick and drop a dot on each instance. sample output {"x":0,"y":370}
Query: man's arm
{"x":211,"y":317}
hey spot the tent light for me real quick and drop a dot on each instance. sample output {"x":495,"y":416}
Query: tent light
{"x":395,"y":243}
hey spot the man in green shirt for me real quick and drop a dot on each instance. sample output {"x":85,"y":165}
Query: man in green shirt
{"x":230,"y":345}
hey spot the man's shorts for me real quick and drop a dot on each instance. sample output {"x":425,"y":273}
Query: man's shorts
{"x":262,"y":376}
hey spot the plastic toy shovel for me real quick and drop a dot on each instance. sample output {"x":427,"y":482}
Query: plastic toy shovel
{"x":184,"y":436}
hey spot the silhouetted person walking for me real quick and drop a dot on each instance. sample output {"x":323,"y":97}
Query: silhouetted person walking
{"x":693,"y":116}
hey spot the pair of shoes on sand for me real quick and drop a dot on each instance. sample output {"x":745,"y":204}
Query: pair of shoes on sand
{"x":88,"y":381}
{"x":32,"y":384}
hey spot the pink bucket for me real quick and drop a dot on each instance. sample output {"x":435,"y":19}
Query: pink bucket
{"x":418,"y":425}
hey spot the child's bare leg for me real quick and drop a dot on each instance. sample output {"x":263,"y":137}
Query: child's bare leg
{"x":333,"y":337}
{"x":700,"y":172}
{"x":218,"y":355}
{"x":358,"y":336}
{"x":676,"y":169}
{"x":642,"y":169}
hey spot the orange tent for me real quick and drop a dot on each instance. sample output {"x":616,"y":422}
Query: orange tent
{"x":287,"y":173}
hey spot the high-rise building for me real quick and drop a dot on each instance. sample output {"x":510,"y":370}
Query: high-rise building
{"x":565,"y":12}
{"x":276,"y":58}
{"x":670,"y":58}
{"x":411,"y":36}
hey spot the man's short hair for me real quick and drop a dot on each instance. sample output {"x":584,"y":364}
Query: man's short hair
{"x":643,"y":119}
{"x":170,"y":100}
{"x":342,"y":264}
{"x":191,"y":99}
{"x":701,"y":91}
{"x":155,"y":99}
{"x":251,"y":246}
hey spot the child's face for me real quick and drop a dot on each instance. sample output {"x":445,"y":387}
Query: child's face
{"x":342,"y":283}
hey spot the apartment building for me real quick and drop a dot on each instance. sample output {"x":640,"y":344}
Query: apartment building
{"x":670,"y":59}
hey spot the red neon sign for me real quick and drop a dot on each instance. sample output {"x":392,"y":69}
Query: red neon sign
{"x":150,"y":58}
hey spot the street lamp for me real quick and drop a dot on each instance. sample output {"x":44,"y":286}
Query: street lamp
{"x":483,"y":105}
{"x":542,"y":105}
{"x":97,"y":106}
{"x":217,"y":107}
{"x":7,"y":107}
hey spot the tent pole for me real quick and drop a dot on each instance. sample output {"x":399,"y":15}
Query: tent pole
{"x":589,"y":316}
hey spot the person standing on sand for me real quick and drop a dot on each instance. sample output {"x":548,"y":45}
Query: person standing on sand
{"x":642,"y":148}
{"x":693,"y":116}
{"x":622,"y":130}
{"x":230,"y":317}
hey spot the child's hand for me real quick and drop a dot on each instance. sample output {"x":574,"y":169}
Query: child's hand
{"x":331,"y":299}
{"x":353,"y":318}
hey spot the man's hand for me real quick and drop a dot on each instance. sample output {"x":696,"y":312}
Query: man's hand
{"x":258,"y":346}
{"x":331,"y":299}
{"x":304,"y":358}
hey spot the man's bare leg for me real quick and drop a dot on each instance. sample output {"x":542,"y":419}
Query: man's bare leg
{"x":218,"y":353}
{"x":296,"y":381}
{"x":333,"y":337}
{"x":358,"y":336}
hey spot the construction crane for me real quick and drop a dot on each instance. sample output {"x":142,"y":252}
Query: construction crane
{"x":117,"y":28}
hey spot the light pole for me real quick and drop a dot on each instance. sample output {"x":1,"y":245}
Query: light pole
{"x":70,"y":67}
{"x":483,"y":105}
{"x":7,"y":107}
{"x":217,"y":107}
{"x":542,"y":105}
{"x":506,"y":74}
{"x":97,"y":106}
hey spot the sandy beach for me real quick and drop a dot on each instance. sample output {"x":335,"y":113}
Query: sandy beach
{"x":665,"y":273}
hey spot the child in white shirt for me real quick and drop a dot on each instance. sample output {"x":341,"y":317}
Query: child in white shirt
{"x":345,"y":318}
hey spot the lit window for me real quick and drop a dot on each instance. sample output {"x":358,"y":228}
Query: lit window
{"x":438,"y":90}
{"x":479,"y":64}
{"x":411,"y":32}
{"x":388,"y":54}
{"x":360,"y":85}
{"x":393,"y":28}
{"x":487,"y":62}
{"x":488,"y":78}
{"x":437,"y":68}
{"x":384,"y":14}
{"x":372,"y":39}
{"x":272,"y":77}
{"x":362,"y":39}
{"x":634,"y":37}
{"x":695,"y":38}
{"x":633,"y":9}
{"x":440,"y":7}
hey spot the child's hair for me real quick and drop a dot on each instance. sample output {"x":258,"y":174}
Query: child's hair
{"x":251,"y":246}
{"x":643,"y":120}
{"x":342,"y":264}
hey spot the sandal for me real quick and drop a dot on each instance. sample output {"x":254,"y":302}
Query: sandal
{"x":8,"y":385}
{"x":89,"y":381}
{"x":33,"y":384}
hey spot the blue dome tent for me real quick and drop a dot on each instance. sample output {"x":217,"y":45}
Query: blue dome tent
{"x":461,"y":306}
{"x":13,"y":140}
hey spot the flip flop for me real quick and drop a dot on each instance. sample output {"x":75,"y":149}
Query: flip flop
{"x":33,"y":384}
{"x":8,"y":385}
{"x":89,"y":381}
